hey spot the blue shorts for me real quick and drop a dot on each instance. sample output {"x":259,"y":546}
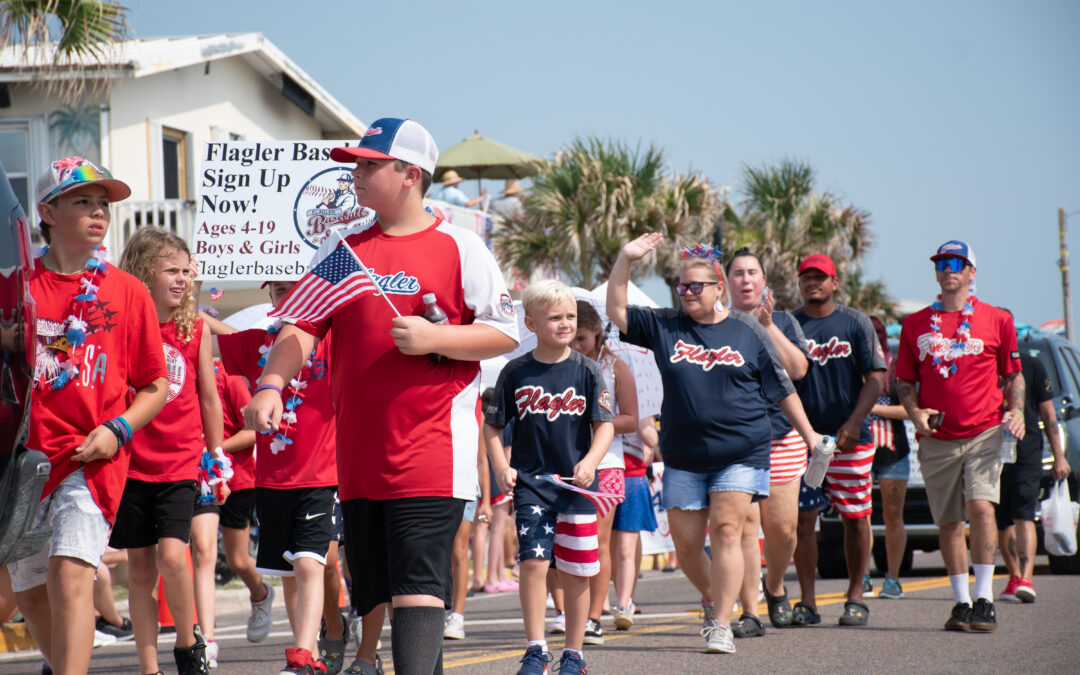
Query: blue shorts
{"x":470,"y":512}
{"x":689,"y":491}
{"x":636,"y":513}
{"x":898,"y":470}
{"x":811,"y":499}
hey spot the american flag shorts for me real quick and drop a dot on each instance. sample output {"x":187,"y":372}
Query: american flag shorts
{"x":787,"y":458}
{"x":570,"y":539}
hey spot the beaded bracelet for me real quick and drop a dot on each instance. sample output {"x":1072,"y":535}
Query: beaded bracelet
{"x":267,"y":386}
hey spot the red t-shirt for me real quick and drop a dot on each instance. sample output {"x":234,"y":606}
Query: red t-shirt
{"x":122,"y":350}
{"x":970,"y":398}
{"x":234,"y":394}
{"x":309,"y":460}
{"x":410,"y":427}
{"x":168,"y":448}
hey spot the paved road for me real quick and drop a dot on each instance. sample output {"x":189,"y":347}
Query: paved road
{"x":903,"y":636}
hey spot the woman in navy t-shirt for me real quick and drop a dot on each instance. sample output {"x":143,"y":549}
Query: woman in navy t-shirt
{"x":721,"y":375}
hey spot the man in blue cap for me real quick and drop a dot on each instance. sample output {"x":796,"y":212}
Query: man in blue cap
{"x":955,"y":350}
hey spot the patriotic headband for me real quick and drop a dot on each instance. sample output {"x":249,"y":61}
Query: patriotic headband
{"x":712,"y":254}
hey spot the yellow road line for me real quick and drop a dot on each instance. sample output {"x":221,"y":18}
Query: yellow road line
{"x":474,"y":657}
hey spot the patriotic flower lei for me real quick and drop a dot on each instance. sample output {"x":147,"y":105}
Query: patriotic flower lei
{"x":292,"y":395}
{"x":215,"y":469}
{"x":59,"y":372}
{"x":946,"y":350}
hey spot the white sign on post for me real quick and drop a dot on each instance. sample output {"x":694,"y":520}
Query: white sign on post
{"x":264,"y":207}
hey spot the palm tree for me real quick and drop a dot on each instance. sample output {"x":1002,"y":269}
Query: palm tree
{"x":594,"y":197}
{"x":784,"y":219}
{"x":63,"y":35}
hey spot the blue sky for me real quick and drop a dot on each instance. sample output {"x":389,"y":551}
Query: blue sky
{"x":947,"y":119}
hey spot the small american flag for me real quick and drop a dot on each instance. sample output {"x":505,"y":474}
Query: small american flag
{"x":216,"y":294}
{"x":335,"y":280}
{"x":603,"y":501}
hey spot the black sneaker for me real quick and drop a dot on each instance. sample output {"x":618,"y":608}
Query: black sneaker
{"x":594,"y":634}
{"x":192,"y":660}
{"x":961,"y":617}
{"x":983,"y":617}
{"x":122,"y":632}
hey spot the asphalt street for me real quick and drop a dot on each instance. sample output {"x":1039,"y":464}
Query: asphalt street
{"x":903,"y":636}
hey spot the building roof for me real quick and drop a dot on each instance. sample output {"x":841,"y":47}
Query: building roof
{"x":141,"y":58}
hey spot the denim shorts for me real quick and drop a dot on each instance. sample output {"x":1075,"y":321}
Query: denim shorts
{"x":898,"y":470}
{"x":689,"y":490}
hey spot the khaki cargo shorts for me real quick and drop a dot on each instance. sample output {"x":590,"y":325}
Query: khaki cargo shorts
{"x":960,"y":471}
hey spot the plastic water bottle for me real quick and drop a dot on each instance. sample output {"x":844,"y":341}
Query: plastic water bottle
{"x":819,"y":461}
{"x":434,"y":314}
{"x":1008,"y":447}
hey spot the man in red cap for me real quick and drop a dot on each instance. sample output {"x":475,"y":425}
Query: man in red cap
{"x":846,"y":375}
{"x":956,"y":349}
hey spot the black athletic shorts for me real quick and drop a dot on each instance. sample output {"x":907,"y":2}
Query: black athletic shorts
{"x":149,"y":512}
{"x":1019,"y":493}
{"x":238,"y":508}
{"x":400,"y":547}
{"x":292,"y":524}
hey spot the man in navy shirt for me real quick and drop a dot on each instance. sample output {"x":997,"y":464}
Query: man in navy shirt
{"x":846,"y":375}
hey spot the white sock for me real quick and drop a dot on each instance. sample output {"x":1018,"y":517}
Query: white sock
{"x":460,"y":616}
{"x":960,"y":592}
{"x":984,"y":581}
{"x":542,"y":643}
{"x":573,"y":651}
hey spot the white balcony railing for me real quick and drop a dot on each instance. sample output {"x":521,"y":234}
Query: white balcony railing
{"x":176,"y":215}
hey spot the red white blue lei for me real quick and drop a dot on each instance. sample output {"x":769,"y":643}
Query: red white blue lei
{"x":292,"y":394}
{"x":58,"y":370}
{"x":953,"y":349}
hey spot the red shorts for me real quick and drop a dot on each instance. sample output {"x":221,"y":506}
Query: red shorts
{"x":847,"y":481}
{"x":787,"y":459}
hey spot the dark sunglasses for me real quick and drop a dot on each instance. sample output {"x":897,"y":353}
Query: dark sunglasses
{"x":953,"y":265}
{"x":695,"y":287}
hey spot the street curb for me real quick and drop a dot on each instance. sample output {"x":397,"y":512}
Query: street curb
{"x":15,"y":637}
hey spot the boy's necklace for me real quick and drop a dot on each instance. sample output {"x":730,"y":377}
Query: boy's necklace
{"x":291,"y":395}
{"x":57,"y":363}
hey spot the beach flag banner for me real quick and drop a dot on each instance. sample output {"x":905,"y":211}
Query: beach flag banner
{"x":603,"y":501}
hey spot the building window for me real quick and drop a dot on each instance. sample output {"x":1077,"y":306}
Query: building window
{"x":174,"y":163}
{"x":15,"y":156}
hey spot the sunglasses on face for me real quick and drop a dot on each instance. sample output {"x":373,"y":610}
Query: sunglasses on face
{"x":953,"y":265}
{"x":695,"y":287}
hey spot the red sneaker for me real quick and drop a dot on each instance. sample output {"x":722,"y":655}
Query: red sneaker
{"x":300,"y":662}
{"x":1025,"y":592}
{"x":1009,"y":594}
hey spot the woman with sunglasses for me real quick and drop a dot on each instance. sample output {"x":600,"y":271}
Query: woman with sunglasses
{"x":721,"y":374}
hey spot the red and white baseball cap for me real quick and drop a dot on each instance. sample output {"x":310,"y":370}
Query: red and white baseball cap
{"x":820,"y":262}
{"x":393,"y":138}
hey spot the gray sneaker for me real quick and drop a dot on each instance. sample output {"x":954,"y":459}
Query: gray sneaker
{"x":718,"y":638}
{"x":332,"y":652}
{"x":260,"y":621}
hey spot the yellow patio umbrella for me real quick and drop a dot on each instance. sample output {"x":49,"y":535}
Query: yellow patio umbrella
{"x":480,"y":157}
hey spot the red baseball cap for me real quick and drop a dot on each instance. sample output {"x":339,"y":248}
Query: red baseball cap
{"x":820,"y":262}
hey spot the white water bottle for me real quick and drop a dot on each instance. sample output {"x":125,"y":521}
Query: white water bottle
{"x":1008,"y":447}
{"x":819,"y":461}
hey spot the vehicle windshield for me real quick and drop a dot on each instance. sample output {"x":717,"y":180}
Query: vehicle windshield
{"x":1041,"y":351}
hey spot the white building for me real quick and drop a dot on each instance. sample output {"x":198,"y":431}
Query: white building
{"x":168,"y":96}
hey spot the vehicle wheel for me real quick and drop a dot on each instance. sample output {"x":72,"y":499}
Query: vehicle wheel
{"x":831,"y":563}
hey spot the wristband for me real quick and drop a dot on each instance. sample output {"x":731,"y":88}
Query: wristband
{"x":267,"y":386}
{"x":115,"y":428}
{"x":123,"y":423}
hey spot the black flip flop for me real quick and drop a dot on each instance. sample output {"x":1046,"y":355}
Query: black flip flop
{"x":779,"y":608}
{"x":804,"y":615}
{"x":856,"y":613}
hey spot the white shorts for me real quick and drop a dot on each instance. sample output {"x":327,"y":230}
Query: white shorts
{"x":79,"y":530}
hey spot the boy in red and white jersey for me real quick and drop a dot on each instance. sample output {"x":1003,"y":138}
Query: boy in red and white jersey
{"x":97,"y":342}
{"x":407,"y":440}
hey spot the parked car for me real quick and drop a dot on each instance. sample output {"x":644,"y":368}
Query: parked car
{"x":1062,"y":361}
{"x":23,"y":472}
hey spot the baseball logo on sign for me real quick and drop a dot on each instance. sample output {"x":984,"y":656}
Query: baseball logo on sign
{"x":327,"y":201}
